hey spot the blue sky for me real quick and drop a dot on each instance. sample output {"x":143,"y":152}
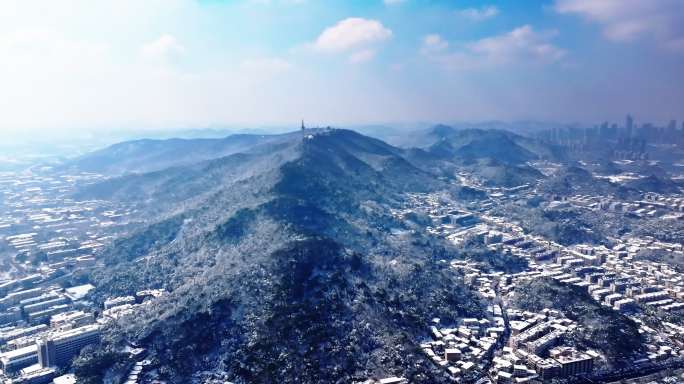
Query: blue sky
{"x":84,"y":65}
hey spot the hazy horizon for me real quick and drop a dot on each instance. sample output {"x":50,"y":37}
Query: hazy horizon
{"x":94,"y":67}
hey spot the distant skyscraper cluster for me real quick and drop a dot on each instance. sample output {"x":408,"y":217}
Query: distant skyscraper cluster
{"x":628,"y":141}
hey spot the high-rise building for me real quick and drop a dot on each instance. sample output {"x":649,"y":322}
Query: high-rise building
{"x":629,"y":125}
{"x":603,"y":130}
{"x":59,"y":348}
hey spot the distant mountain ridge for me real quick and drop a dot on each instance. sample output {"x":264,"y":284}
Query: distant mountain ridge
{"x":498,"y":157}
{"x":445,"y":142}
{"x":147,"y":155}
{"x":503,"y":146}
{"x":334,"y":149}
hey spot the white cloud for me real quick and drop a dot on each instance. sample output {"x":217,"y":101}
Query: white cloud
{"x":164,"y":48}
{"x":479,"y":14}
{"x":522,"y":45}
{"x":434,"y":43}
{"x":355,"y":36}
{"x":629,"y":20}
{"x":352,"y":33}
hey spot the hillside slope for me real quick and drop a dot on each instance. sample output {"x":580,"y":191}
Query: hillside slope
{"x":288,"y":268}
{"x":601,"y":328}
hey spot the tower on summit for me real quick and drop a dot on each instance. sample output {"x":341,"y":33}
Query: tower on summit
{"x":303,"y":126}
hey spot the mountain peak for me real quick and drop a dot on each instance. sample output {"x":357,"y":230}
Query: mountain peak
{"x":291,"y":242}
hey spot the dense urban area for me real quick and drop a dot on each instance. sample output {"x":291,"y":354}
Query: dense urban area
{"x":566,"y":246}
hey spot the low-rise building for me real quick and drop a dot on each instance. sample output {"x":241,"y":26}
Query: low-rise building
{"x":13,"y":361}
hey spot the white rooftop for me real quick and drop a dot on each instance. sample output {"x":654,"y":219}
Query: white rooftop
{"x":79,"y":292}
